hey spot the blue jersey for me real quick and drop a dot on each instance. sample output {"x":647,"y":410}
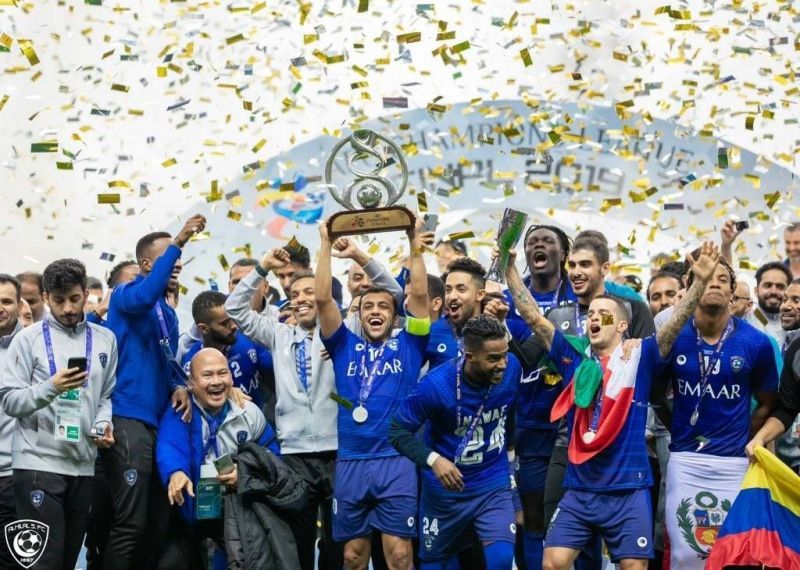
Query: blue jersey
{"x":624,"y":464}
{"x":745,"y":365}
{"x":395,"y":376}
{"x":250,"y":364}
{"x":484,"y":462}
{"x":546,"y":301}
{"x":538,"y":389}
{"x":442,"y":344}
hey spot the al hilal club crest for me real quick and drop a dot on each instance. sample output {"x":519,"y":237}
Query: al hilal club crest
{"x":700,"y":520}
{"x":26,"y":540}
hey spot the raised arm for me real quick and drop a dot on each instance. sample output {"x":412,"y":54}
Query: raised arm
{"x":703,"y":270}
{"x":330,"y":319}
{"x":542,"y":328}
{"x":728,"y":233}
{"x":347,"y":248}
{"x":238,"y":306}
{"x":418,"y":301}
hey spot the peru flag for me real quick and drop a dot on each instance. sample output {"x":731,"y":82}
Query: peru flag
{"x":619,"y":380}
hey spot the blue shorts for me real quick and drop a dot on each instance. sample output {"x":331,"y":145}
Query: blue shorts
{"x":446,"y":516}
{"x":379,"y":494}
{"x":531,"y":473}
{"x":623,"y":519}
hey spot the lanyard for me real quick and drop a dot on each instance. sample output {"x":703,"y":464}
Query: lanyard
{"x":214,"y":423}
{"x":705,"y":371}
{"x":301,"y":362}
{"x":474,"y":423}
{"x":368,"y":379}
{"x":162,"y":324}
{"x":48,"y":346}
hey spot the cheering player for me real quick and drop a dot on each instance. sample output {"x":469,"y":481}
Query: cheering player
{"x":605,"y":402}
{"x":464,"y":449}
{"x":375,"y":487}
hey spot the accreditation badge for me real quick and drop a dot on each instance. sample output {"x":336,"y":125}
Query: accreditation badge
{"x":68,"y":416}
{"x":209,"y":494}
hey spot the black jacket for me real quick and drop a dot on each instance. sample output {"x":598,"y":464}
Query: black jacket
{"x":255,"y":534}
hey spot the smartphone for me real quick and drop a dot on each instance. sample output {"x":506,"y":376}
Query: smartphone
{"x":224,"y":464}
{"x":98,"y":431}
{"x":429,"y":222}
{"x":77,"y":362}
{"x":741,"y":226}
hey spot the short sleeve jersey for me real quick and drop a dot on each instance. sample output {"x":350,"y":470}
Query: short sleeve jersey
{"x":396,"y":374}
{"x":484,"y":461}
{"x":745,"y":365}
{"x":624,"y":464}
{"x":249,"y":363}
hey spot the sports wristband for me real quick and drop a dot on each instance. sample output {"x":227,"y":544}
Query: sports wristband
{"x":432,"y":457}
{"x":261,"y":271}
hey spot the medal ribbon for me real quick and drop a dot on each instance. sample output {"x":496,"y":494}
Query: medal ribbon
{"x":302,"y":364}
{"x":368,"y":379}
{"x":705,"y":372}
{"x":474,"y":423}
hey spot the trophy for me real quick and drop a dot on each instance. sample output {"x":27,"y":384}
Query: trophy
{"x":367,"y":156}
{"x":508,"y":235}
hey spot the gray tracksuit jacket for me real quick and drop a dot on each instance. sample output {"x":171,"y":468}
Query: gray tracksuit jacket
{"x":6,"y":422}
{"x":305,"y":422}
{"x":27,"y":392}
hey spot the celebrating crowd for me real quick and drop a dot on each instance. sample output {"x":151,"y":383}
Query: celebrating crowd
{"x":560,"y":418}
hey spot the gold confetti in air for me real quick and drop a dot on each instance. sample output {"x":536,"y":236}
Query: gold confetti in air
{"x":108,"y":198}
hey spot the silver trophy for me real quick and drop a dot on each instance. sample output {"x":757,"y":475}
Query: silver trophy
{"x":367,"y":156}
{"x":508,"y":235}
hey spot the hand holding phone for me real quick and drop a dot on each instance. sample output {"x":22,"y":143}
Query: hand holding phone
{"x":78,"y":362}
{"x":741,"y":226}
{"x":224,"y":464}
{"x":429,"y":223}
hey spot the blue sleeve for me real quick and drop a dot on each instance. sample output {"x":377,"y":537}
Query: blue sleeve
{"x":765,"y":371}
{"x":172,"y":446}
{"x":518,"y":328}
{"x":421,"y":405}
{"x":96,"y":319}
{"x":337,"y":340}
{"x":269,"y":440}
{"x":142,"y":295}
{"x":565,"y":358}
{"x":402,"y":278}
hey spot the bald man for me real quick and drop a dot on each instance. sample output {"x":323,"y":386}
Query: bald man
{"x":195,"y":460}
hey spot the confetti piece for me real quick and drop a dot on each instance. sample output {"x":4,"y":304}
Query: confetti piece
{"x":673,"y":206}
{"x":422,"y":202}
{"x":258,"y":145}
{"x":526,"y":57}
{"x":223,"y":262}
{"x":47,"y":146}
{"x":178,"y":105}
{"x":233,"y":39}
{"x":27,"y":50}
{"x":749,"y":122}
{"x":108,"y":198}
{"x":105,"y":256}
{"x":363,"y":5}
{"x":460,"y":235}
{"x":169,"y":162}
{"x":395,"y":103}
{"x":236,"y":216}
{"x":119,"y":184}
{"x":409,"y":38}
{"x":606,"y":320}
{"x":119,"y":87}
{"x":64,"y":165}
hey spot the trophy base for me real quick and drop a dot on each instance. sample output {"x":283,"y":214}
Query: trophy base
{"x":376,"y":220}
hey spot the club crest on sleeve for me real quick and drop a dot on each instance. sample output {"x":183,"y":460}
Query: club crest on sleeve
{"x":737,"y":363}
{"x":241,"y":436}
{"x":26,"y":540}
{"x":253,"y":355}
{"x":103,"y":359}
{"x":393,"y":344}
{"x":131,"y":475}
{"x":37,"y":498}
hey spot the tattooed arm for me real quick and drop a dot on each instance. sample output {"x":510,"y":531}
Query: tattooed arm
{"x":526,"y":305}
{"x":703,"y":270}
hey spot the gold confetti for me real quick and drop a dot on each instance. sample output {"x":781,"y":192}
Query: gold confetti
{"x":526,"y":57}
{"x":27,"y":50}
{"x":606,"y":320}
{"x":46,"y":146}
{"x":108,"y":198}
{"x":460,"y":235}
{"x":422,"y":202}
{"x":233,"y":39}
{"x":235,"y":216}
{"x":223,"y":262}
{"x":119,"y":87}
{"x":363,"y":5}
{"x":409,"y":38}
{"x":119,"y":184}
{"x":169,"y":162}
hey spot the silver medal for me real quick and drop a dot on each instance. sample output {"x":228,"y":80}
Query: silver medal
{"x":695,"y":415}
{"x":360,"y":414}
{"x":589,"y":436}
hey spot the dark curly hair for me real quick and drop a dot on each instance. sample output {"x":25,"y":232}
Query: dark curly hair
{"x":467,"y":265}
{"x":481,"y":328}
{"x":63,"y":274}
